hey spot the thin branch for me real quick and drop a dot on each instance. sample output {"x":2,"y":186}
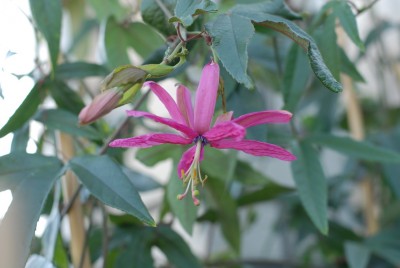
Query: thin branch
{"x":105,"y":234}
{"x":86,"y":242}
{"x":365,"y":8}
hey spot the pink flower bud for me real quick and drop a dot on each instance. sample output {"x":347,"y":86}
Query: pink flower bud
{"x":101,"y":105}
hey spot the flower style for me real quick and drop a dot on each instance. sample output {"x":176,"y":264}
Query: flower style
{"x":194,"y":127}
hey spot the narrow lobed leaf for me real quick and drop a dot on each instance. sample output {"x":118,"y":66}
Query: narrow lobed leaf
{"x":311,"y":184}
{"x":230,"y":37}
{"x":26,"y":110}
{"x":359,"y":149}
{"x":186,"y":9}
{"x":47,"y":15}
{"x":30,"y":178}
{"x":294,"y":32}
{"x":107,"y":182}
{"x":58,"y":119}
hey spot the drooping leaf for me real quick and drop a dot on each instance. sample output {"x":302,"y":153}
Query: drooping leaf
{"x":258,"y":10}
{"x":230,"y":37}
{"x":79,"y":70}
{"x":153,"y":15}
{"x":342,"y":10}
{"x":58,"y":119}
{"x":184,"y":209}
{"x":65,"y":97}
{"x":226,"y":212}
{"x":141,"y":37}
{"x":311,"y":184}
{"x":294,"y":32}
{"x":107,"y":182}
{"x":186,"y":9}
{"x":175,"y":248}
{"x":30,"y":178}
{"x":357,"y":255}
{"x":359,"y":149}
{"x":47,"y":15}
{"x":295,"y":77}
{"x":26,"y":110}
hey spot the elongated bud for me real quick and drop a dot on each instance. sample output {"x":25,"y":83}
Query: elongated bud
{"x":101,"y":105}
{"x":124,"y":76}
{"x":157,"y":70}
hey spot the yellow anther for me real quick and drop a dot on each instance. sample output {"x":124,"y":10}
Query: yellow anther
{"x":182,"y":173}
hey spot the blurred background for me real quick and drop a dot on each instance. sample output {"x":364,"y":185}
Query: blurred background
{"x":275,"y":232}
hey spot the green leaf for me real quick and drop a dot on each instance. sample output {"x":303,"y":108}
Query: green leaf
{"x":141,"y":182}
{"x":258,"y":10}
{"x":247,"y":175}
{"x":294,"y":32}
{"x":49,"y":238}
{"x":295,"y":77}
{"x":175,"y":248}
{"x":342,"y":10}
{"x":60,"y":259}
{"x":357,"y":255}
{"x":65,"y":97}
{"x":58,"y":119}
{"x":186,"y":9}
{"x":326,"y":38}
{"x":26,"y":110}
{"x":230,"y":37}
{"x":20,"y":139}
{"x":153,"y":15}
{"x":226,"y":211}
{"x":359,"y":149}
{"x":184,"y":209}
{"x":141,"y":37}
{"x":153,"y":155}
{"x":254,"y":102}
{"x":107,"y":8}
{"x":215,"y":159}
{"x":30,"y":177}
{"x":270,"y":191}
{"x":138,"y":253}
{"x":311,"y":184}
{"x":79,"y":70}
{"x":386,"y":244}
{"x":106,"y":181}
{"x":47,"y":15}
{"x":349,"y":68}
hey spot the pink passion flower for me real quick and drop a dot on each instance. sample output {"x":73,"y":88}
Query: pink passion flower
{"x":194,"y":127}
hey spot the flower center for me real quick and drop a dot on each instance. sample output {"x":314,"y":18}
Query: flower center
{"x":192,"y":176}
{"x":202,"y":139}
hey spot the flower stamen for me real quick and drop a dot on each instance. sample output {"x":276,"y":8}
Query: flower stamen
{"x":192,"y":177}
